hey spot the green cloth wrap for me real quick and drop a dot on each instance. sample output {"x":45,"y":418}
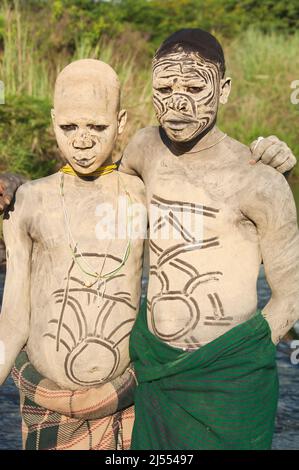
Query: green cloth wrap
{"x":222,"y":396}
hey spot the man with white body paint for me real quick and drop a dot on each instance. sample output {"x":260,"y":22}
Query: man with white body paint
{"x":71,"y":297}
{"x":204,"y":356}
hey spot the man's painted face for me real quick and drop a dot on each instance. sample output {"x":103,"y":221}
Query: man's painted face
{"x":186,"y":91}
{"x":86,"y":125}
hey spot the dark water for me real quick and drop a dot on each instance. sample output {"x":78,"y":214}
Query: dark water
{"x":287,"y":422}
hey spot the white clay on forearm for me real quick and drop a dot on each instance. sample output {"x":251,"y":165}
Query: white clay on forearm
{"x":15,"y":313}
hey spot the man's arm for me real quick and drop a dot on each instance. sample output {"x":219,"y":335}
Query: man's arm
{"x":132,"y":160}
{"x":14,"y":317}
{"x":271,"y":207}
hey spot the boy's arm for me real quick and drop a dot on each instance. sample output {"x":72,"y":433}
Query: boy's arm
{"x":14,"y":317}
{"x":272,"y":209}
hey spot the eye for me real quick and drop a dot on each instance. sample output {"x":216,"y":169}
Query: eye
{"x":194,"y":89}
{"x":97,"y":127}
{"x":165,"y":90}
{"x":68,"y":127}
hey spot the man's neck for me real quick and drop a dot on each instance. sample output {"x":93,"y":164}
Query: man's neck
{"x":204,"y":140}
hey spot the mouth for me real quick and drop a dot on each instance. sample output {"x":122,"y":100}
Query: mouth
{"x":178,"y":123}
{"x":85,"y":162}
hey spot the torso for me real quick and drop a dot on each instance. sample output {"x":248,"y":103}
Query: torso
{"x":201,"y":284}
{"x":79,"y":333}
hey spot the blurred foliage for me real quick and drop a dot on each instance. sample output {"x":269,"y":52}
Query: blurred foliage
{"x":39,"y":37}
{"x":262,"y":73}
{"x":27,"y":144}
{"x":58,"y":24}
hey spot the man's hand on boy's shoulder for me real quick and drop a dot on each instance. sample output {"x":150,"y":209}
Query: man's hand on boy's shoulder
{"x":274,"y":152}
{"x":9,"y":183}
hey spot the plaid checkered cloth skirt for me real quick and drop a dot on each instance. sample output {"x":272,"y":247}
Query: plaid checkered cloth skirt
{"x":99,"y":418}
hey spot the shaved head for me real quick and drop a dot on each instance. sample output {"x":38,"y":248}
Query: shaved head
{"x":89,"y":79}
{"x":86,"y":113}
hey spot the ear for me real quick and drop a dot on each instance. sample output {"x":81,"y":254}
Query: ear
{"x":53,"y":116}
{"x":225,"y":88}
{"x":122,"y":120}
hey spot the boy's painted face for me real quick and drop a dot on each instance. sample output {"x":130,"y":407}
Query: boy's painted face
{"x":87,"y":122}
{"x":186,"y":94}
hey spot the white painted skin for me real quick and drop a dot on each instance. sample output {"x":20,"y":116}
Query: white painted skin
{"x":186,"y":94}
{"x":186,"y":178}
{"x":91,"y":95}
{"x":91,"y":345}
{"x":199,"y":290}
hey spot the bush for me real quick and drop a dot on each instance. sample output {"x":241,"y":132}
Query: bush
{"x":262,"y":67}
{"x":27,"y":144}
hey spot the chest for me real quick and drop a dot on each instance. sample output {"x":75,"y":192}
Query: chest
{"x":191,"y":201}
{"x":86,"y":219}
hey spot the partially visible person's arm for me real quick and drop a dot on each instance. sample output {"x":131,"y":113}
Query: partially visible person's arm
{"x":271,"y":207}
{"x":15,"y":313}
{"x":9,"y":183}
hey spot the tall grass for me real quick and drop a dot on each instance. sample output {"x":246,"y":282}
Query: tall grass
{"x":20,"y":67}
{"x":262,"y":68}
{"x":29,"y":78}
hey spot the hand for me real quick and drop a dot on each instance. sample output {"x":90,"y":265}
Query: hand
{"x":272,"y":151}
{"x":9,"y":183}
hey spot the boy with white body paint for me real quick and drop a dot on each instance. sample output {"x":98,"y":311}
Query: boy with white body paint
{"x":71,"y":297}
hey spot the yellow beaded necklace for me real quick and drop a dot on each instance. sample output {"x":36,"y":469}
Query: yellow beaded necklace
{"x":102,"y":170}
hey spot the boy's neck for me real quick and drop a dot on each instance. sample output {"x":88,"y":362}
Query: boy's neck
{"x":108,"y":166}
{"x":88,"y":182}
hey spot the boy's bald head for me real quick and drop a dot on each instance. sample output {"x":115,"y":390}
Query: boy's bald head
{"x":87,"y":79}
{"x":86,"y":113}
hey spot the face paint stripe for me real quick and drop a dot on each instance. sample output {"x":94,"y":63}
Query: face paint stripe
{"x":200,"y":107}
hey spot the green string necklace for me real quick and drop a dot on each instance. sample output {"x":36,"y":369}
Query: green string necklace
{"x":97,"y":277}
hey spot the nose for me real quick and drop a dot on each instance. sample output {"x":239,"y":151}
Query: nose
{"x":178,"y":103}
{"x":83,"y":140}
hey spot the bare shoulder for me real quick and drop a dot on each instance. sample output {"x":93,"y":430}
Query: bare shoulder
{"x":266,"y":182}
{"x":139,"y":148}
{"x":134,"y":185}
{"x":259,"y":177}
{"x":31,"y":192}
{"x":260,"y":189}
{"x":38,"y":184}
{"x":239,"y":152}
{"x":143,"y":142}
{"x":266,"y":197}
{"x":149,"y":133}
